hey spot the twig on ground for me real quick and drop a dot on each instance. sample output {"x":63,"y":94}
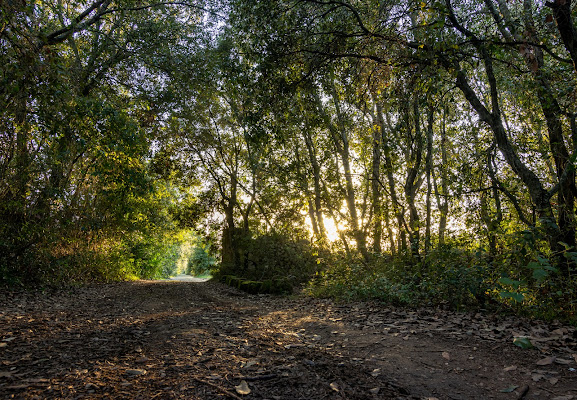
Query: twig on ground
{"x":223,"y":390}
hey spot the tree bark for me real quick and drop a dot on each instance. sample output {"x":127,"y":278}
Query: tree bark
{"x":376,"y":188}
{"x":562,"y":14}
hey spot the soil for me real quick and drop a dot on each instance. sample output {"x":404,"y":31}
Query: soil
{"x":204,"y":340}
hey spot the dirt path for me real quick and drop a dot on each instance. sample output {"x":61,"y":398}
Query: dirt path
{"x":189,"y":340}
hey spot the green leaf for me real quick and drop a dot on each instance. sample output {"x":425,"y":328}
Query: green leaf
{"x":509,"y":281}
{"x":510,"y":389}
{"x":540,"y":274}
{"x":518,"y":297}
{"x":523,"y":342}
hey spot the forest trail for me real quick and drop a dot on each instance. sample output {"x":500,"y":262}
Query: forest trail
{"x":188,"y":340}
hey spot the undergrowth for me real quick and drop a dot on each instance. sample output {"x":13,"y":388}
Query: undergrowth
{"x":525,"y":283}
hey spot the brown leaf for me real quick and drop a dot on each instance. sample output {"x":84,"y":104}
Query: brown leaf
{"x":510,"y":368}
{"x":537,"y":377}
{"x":334,"y":386}
{"x":559,"y":332}
{"x":242,"y":388}
{"x":446,"y":355}
{"x":546,"y":361}
{"x":563,"y":361}
{"x":553,"y":381}
{"x":135,"y":372}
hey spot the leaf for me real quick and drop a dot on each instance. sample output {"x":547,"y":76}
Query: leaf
{"x":518,"y":297}
{"x":509,"y":389}
{"x":509,"y":281}
{"x":540,"y":274}
{"x":242,"y":388}
{"x":537,"y":377}
{"x":334,"y":386}
{"x":248,"y":364}
{"x":510,"y":368}
{"x":135,"y":372}
{"x":3,"y":344}
{"x":446,"y":355}
{"x":546,"y":361}
{"x":563,"y":361}
{"x":523,"y":342}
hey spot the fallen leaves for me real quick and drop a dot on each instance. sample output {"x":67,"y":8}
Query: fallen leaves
{"x":242,"y":388}
{"x":101,"y":346}
{"x":546,"y":361}
{"x":135,"y":372}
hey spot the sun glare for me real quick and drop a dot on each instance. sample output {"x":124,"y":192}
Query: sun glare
{"x":332,"y":229}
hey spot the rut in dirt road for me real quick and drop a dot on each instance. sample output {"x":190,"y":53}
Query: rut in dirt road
{"x":186,"y":340}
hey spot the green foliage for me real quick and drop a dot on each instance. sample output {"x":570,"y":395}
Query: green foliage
{"x":200,"y":262}
{"x":448,"y":277}
{"x":273,"y":258}
{"x":456,"y":278}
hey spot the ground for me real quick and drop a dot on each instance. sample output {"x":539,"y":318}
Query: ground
{"x":204,"y":340}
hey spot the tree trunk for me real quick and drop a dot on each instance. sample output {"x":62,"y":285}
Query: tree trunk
{"x":318,"y":213}
{"x":376,"y":189}
{"x":412,"y":184}
{"x":429,"y":169}
{"x":389,"y":170}
{"x":562,"y":13}
{"x":230,"y":254}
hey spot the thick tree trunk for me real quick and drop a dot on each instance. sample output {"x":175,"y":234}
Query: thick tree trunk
{"x":230,"y":253}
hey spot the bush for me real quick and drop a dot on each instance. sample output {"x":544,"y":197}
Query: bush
{"x":276,"y":259}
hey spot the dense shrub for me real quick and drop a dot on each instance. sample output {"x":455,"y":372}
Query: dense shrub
{"x":274,"y":258}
